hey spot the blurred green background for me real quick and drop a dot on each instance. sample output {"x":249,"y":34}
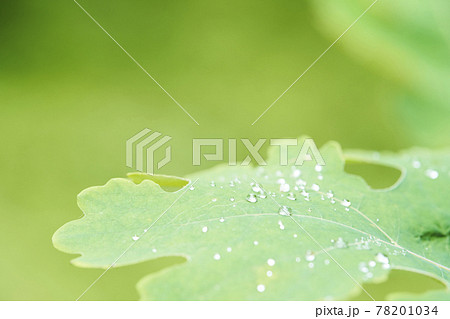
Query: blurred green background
{"x":69,"y":99}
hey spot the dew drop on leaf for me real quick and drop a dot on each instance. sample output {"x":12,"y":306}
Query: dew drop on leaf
{"x":135,"y":237}
{"x":310,"y":256}
{"x":296,"y":173}
{"x":285,"y":211}
{"x":216,"y":256}
{"x":205,"y":229}
{"x":269,"y":273}
{"x":315,"y":187}
{"x":382,"y":259}
{"x":291,"y":196}
{"x":261,"y":288}
{"x":431,"y":173}
{"x":251,"y":198}
{"x":340,"y":243}
{"x":256,"y":188}
{"x":271,"y":262}
{"x":416,"y":164}
{"x":284,"y":188}
{"x":346,"y":203}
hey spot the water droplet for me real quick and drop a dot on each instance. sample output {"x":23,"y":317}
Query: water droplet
{"x":311,"y":265}
{"x":296,"y":173}
{"x":285,"y":211}
{"x":416,"y":164}
{"x":340,"y":243}
{"x":295,"y":235}
{"x":261,"y":288}
{"x":154,"y":250}
{"x":216,"y":256}
{"x":291,"y":196}
{"x":229,"y":249}
{"x":221,"y":219}
{"x":270,"y":262}
{"x":251,"y":198}
{"x":284,"y":188}
{"x":205,"y":229}
{"x":372,"y":263}
{"x":318,"y":168}
{"x":330,"y":194}
{"x":326,"y":262}
{"x":315,"y":187}
{"x":346,"y":203}
{"x":255,"y":243}
{"x":431,"y":173}
{"x":310,"y":256}
{"x":232,"y":184}
{"x":214,"y":200}
{"x":192,"y":188}
{"x":368,"y":275}
{"x":269,"y":273}
{"x":213,"y":184}
{"x":281,"y":181}
{"x":320,"y":177}
{"x":281,"y":225}
{"x":262,"y":196}
{"x":382,"y":259}
{"x":135,"y":237}
{"x":300,"y":182}
{"x":297,"y":259}
{"x":256,"y":188}
{"x":232,"y":199}
{"x":363,"y":268}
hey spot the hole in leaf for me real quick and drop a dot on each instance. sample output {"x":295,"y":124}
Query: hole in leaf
{"x":400,"y":281}
{"x":377,"y":176}
{"x":167,"y":183}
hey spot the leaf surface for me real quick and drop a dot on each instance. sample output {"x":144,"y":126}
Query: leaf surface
{"x":240,"y":248}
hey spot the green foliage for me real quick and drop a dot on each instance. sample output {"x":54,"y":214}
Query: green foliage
{"x":406,"y":41}
{"x":226,"y":224}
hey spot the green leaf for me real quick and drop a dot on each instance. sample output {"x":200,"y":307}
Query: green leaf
{"x":232,"y":246}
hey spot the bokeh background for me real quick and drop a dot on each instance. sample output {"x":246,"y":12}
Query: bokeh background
{"x":69,"y":99}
